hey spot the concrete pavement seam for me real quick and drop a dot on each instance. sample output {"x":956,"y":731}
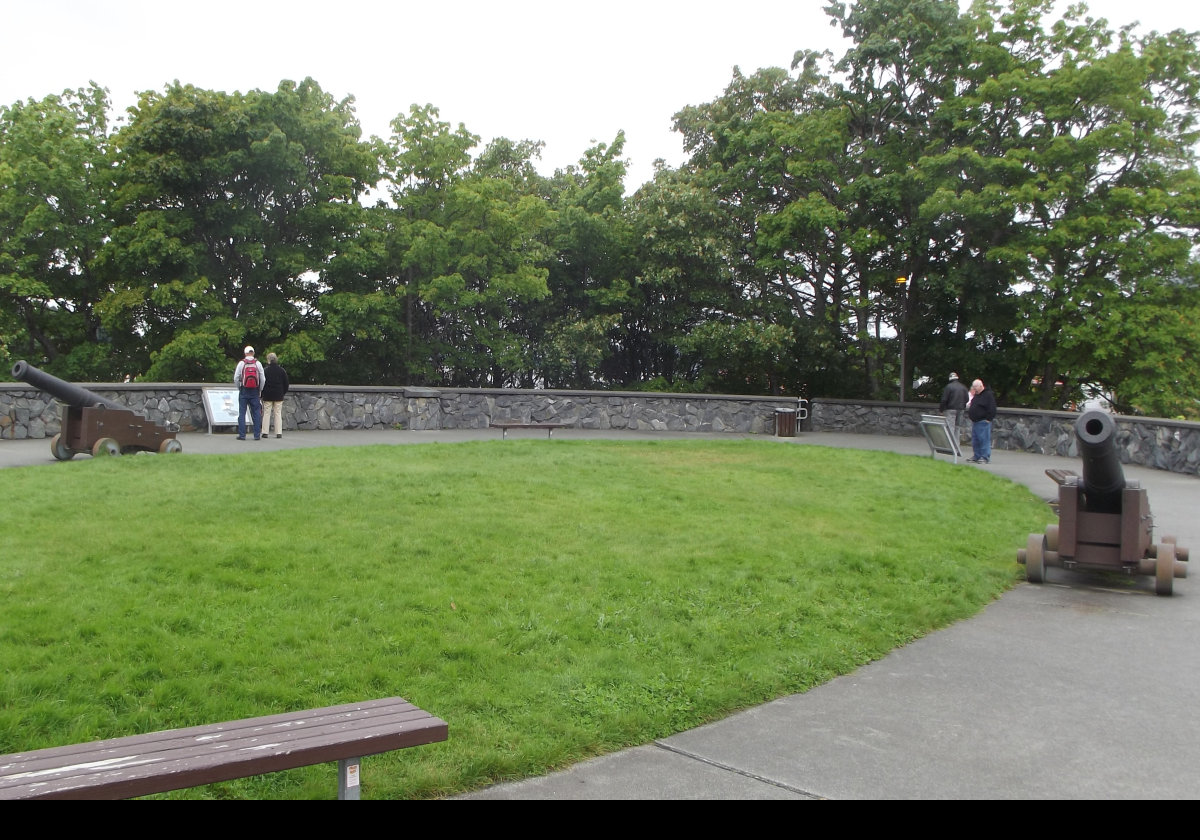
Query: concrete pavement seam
{"x":740,"y":772}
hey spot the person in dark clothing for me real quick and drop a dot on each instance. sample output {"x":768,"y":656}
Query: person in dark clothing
{"x":273,"y":392}
{"x":954,"y":405}
{"x":982,"y":410}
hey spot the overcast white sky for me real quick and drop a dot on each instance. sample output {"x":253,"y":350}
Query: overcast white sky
{"x":567,"y":73}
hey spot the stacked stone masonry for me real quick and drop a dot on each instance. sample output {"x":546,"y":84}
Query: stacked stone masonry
{"x":26,"y":412}
{"x":1162,"y":444}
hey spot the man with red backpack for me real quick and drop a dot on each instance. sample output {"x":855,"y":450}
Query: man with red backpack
{"x":250,"y":378}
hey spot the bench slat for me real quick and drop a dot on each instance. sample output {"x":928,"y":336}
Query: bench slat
{"x":225,"y":747}
{"x":1060,"y":477}
{"x":547,"y":427}
{"x":529,"y":425}
{"x":156,"y":762}
{"x":172,"y":738}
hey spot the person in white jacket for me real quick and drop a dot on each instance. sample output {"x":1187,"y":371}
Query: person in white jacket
{"x":250,"y":377}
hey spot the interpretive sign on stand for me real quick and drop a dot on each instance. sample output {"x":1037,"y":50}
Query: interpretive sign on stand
{"x":220,"y":406}
{"x":941,"y":439}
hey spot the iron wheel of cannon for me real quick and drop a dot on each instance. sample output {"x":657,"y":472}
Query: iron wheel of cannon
{"x":1035,"y":558}
{"x":60,"y":450}
{"x":169,"y":446}
{"x":105,"y":446}
{"x":1164,"y":567}
{"x":1052,"y":538}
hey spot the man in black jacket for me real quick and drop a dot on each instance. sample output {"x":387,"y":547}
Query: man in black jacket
{"x":954,"y":405}
{"x":982,"y":411}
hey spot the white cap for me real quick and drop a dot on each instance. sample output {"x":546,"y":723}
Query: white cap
{"x":249,"y":351}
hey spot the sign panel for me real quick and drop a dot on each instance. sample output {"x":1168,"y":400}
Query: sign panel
{"x":221,"y":406}
{"x":938,"y":435}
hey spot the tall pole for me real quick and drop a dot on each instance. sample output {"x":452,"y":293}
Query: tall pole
{"x":900,"y":329}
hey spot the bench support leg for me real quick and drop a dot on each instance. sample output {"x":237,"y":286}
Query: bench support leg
{"x":348,"y":787}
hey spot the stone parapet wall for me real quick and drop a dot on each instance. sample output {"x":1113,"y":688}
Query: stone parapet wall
{"x":634,"y":411}
{"x":26,"y":412}
{"x":1162,"y":444}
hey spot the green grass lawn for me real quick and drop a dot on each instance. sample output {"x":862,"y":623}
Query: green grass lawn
{"x":551,"y":600}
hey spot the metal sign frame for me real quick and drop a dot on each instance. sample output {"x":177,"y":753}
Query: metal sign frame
{"x":939,"y":437}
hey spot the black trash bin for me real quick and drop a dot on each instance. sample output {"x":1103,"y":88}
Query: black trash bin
{"x":785,"y":422}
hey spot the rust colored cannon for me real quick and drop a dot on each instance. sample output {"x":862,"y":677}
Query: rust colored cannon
{"x":1104,"y":521}
{"x":90,"y":423}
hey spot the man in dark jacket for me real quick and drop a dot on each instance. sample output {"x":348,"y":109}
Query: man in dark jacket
{"x":272,"y":396}
{"x":982,"y":411}
{"x":954,"y":405}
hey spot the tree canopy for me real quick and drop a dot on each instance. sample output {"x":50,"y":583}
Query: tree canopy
{"x":990,"y":190}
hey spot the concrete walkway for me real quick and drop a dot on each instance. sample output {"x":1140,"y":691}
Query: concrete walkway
{"x":1071,"y":689}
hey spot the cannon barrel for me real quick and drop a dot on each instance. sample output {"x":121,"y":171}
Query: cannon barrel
{"x":1103,"y":477}
{"x":64,"y":392}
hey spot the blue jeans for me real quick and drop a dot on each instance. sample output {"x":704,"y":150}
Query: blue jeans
{"x":981,"y":439}
{"x":249,"y":399}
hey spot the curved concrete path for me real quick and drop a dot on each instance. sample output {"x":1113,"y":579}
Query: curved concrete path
{"x":1071,"y":689}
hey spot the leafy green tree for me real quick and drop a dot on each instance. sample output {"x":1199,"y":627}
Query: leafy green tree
{"x":56,"y":180}
{"x":575,"y":332}
{"x":229,"y":206}
{"x":362,"y":332}
{"x":466,"y":248}
{"x":777,"y":152}
{"x":1032,"y":184}
{"x":423,"y":158}
{"x":683,"y":282}
{"x":1105,"y":206}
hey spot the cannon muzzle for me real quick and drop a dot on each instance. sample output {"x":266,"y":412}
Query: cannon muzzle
{"x":1103,"y":477}
{"x":64,"y":392}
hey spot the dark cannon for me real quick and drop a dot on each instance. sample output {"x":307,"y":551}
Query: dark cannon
{"x":1104,"y":521}
{"x":91,"y":423}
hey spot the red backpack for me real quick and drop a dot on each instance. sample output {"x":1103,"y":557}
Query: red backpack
{"x":250,"y":375}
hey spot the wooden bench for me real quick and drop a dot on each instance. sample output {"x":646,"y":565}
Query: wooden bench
{"x":138,"y":765}
{"x":1061,"y":477}
{"x":549,"y":427}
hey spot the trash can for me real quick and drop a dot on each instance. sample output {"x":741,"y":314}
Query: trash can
{"x":785,"y":422}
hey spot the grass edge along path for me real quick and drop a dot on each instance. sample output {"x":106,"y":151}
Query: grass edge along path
{"x":551,"y":601}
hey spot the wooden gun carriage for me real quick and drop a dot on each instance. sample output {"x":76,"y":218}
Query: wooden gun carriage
{"x":1104,"y":521}
{"x":91,"y":423}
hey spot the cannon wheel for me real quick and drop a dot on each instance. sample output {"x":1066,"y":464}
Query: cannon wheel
{"x":1052,"y":538}
{"x":1035,"y":558}
{"x":1164,"y":568}
{"x":170,"y":445}
{"x":59,"y":449}
{"x":105,"y":446}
